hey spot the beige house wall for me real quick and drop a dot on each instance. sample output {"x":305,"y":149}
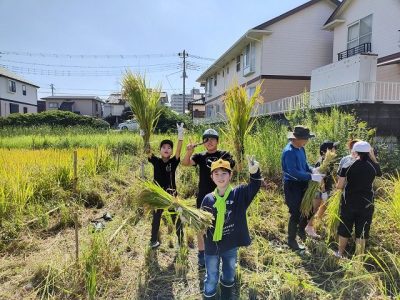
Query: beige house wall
{"x":84,"y":107}
{"x":388,"y":73}
{"x":273,"y":89}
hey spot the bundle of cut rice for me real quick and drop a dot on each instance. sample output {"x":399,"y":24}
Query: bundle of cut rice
{"x":155,"y":197}
{"x":333,"y":215}
{"x":306,"y":206}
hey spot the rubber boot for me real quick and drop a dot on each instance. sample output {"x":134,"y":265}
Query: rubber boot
{"x":227,"y":292}
{"x":292,"y":232}
{"x":302,"y":228}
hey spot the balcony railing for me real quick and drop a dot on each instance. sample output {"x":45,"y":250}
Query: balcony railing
{"x":350,"y":93}
{"x":363,"y":48}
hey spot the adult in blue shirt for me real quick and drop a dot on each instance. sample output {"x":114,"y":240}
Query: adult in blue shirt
{"x":296,"y":175}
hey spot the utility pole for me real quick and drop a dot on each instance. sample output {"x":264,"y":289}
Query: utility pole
{"x":184,"y":55}
{"x":52,"y":89}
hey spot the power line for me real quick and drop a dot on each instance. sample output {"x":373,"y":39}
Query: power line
{"x":107,"y":56}
{"x":91,"y":67}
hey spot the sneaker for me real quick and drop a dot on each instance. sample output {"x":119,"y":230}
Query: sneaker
{"x":154,"y":245}
{"x":311,"y":232}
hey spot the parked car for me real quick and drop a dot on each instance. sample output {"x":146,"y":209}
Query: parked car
{"x":131,"y":125}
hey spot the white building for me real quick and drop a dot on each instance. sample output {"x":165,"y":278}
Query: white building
{"x":280,"y":54}
{"x":177,"y":100}
{"x":17,"y":95}
{"x":83,"y":105}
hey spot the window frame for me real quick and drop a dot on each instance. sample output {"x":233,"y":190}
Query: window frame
{"x":249,"y":59}
{"x":12,"y":86}
{"x":359,"y":36}
{"x":24,"y":90}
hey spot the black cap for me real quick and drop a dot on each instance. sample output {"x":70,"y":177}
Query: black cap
{"x":301,"y":132}
{"x":327,"y":145}
{"x":168,"y":142}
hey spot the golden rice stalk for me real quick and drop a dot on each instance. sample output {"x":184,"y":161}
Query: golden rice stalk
{"x":239,"y":109}
{"x":144,"y":103}
{"x":333,"y":215}
{"x":155,"y":197}
{"x":306,"y":206}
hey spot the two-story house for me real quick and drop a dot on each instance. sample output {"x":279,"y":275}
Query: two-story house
{"x":83,"y":105}
{"x":280,"y":53}
{"x":17,"y":95}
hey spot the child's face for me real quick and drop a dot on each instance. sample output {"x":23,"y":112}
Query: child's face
{"x":165,"y":151}
{"x":221,"y":177}
{"x":211,"y":144}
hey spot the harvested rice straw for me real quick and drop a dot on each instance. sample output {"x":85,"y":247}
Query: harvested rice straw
{"x":155,"y":197}
{"x":333,"y":215}
{"x":306,"y":206}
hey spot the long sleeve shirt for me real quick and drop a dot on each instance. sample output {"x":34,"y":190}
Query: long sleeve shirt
{"x":235,"y":231}
{"x":294,"y":164}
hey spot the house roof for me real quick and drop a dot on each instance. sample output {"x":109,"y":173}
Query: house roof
{"x":77,"y":97}
{"x":254,"y":33}
{"x":292,"y":12}
{"x":7,"y":73}
{"x":115,"y":98}
{"x":336,"y":12}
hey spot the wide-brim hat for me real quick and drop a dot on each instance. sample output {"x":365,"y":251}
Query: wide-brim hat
{"x":301,"y":132}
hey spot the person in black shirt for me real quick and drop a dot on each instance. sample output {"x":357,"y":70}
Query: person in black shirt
{"x":164,"y":175}
{"x":357,"y":204}
{"x":204,"y":161}
{"x":325,"y":189}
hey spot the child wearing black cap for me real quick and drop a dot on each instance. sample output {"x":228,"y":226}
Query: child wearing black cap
{"x":164,"y":175}
{"x":326,"y":188}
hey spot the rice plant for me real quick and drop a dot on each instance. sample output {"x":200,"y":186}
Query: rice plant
{"x":155,"y":197}
{"x":144,"y":103}
{"x":332,"y":215}
{"x":306,"y":206}
{"x":239,"y":107}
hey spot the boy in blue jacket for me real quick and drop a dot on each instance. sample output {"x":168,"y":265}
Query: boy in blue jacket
{"x":229,"y":230}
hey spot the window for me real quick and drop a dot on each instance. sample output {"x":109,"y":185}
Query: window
{"x":25,"y":110}
{"x":360,"y":32}
{"x":215,"y":79}
{"x":249,"y":59}
{"x":14,"y":108}
{"x":238,"y":63}
{"x":209,"y":86}
{"x":12,"y":87}
{"x":209,"y":110}
{"x":250,"y":91}
{"x":227,"y":70}
{"x":53,"y":105}
{"x":223,"y":72}
{"x":216,"y":109}
{"x":24,"y":90}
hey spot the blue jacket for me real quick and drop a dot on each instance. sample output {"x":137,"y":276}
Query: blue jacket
{"x":235,"y":232}
{"x":294,"y":164}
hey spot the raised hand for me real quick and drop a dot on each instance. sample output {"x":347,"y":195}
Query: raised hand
{"x":180,"y":131}
{"x":252,"y":164}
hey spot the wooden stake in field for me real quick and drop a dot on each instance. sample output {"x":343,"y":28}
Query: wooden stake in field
{"x":144,"y":102}
{"x":239,"y":109}
{"x":75,"y":183}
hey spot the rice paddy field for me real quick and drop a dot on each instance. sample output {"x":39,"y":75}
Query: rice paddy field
{"x":52,"y":247}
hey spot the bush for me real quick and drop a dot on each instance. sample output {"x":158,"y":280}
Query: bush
{"x":168,"y":120}
{"x":52,"y":118}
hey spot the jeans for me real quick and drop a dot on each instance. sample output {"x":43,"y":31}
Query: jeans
{"x":229,"y":258}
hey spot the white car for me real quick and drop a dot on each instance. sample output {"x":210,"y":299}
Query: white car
{"x":131,"y":125}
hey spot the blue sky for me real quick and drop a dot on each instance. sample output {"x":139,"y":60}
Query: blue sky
{"x":154,"y":30}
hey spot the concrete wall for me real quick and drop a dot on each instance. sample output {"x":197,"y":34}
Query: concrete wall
{"x":352,"y":69}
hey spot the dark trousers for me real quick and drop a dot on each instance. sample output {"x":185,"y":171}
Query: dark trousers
{"x":294,"y":192}
{"x":155,"y":225}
